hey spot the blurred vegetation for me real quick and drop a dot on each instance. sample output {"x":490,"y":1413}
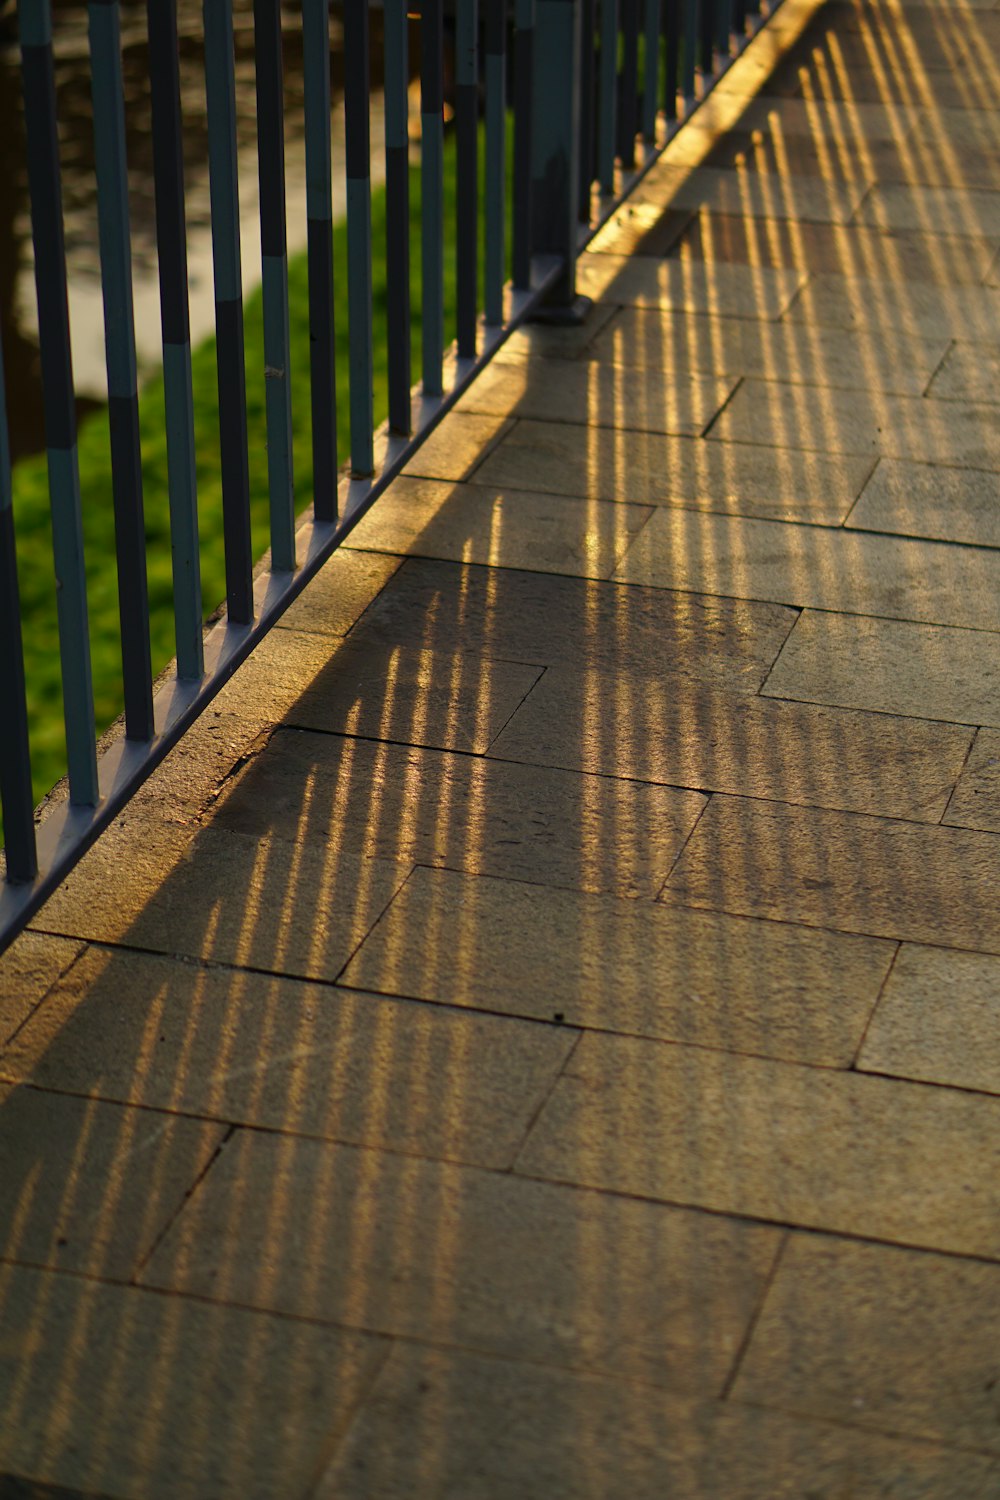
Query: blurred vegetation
{"x":30,"y":481}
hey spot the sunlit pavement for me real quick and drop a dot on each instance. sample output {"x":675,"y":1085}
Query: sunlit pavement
{"x":539,"y":1037}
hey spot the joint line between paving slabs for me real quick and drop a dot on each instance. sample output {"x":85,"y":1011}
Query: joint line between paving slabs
{"x":799,"y":612}
{"x":964,"y":767}
{"x":741,"y":380}
{"x":171,"y":1221}
{"x":533,"y":1119}
{"x":925,"y":393}
{"x":871,"y":1014}
{"x":754,"y":1318}
{"x":709,"y":797}
{"x":63,"y":973}
{"x":338,"y":1438}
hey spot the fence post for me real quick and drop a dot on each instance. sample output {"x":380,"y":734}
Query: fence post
{"x":555,"y":162}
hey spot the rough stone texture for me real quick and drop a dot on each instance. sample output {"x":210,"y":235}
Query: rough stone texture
{"x":957,"y":210}
{"x":788,"y":352}
{"x":975,"y":802}
{"x":458,"y":702}
{"x":880,"y":1337}
{"x":453,"y":1426}
{"x":830,"y":869}
{"x":846,"y":250}
{"x":863,"y":421}
{"x":756,"y":481}
{"x":456,"y":448}
{"x":816,"y":567}
{"x":89,"y":1186}
{"x":808,"y":1146}
{"x":483,"y":1260}
{"x":683,"y":733}
{"x":259,"y":902}
{"x":922,"y":309}
{"x":552,"y":621}
{"x":259,"y":1050}
{"x":537,"y":339}
{"x":853,"y":159}
{"x":938,"y":1020}
{"x":339,"y":593}
{"x":124,"y":1392}
{"x":596,"y":395}
{"x":929,"y":671}
{"x":971,"y":372}
{"x":698,"y":287}
{"x":805,"y":199}
{"x":524,"y":822}
{"x":28,"y":969}
{"x":929,"y":501}
{"x":469,"y":523}
{"x":686,"y":976}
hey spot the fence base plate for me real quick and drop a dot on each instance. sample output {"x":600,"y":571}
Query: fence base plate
{"x":564,"y":315}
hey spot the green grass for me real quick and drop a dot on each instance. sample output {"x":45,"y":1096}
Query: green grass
{"x":31,"y":507}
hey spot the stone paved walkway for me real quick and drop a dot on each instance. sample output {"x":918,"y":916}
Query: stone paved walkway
{"x":539,"y":1038}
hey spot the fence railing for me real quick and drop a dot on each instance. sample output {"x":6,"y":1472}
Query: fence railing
{"x":597,"y":89}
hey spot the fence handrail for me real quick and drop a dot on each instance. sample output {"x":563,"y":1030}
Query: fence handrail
{"x":562,"y":147}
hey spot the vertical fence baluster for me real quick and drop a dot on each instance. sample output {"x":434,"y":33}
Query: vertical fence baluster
{"x":397,"y":214}
{"x":42,"y":137}
{"x":15,"y":759}
{"x":432,"y":191}
{"x":119,"y":340}
{"x":628,"y":104}
{"x":588,"y":86}
{"x":467,"y":175}
{"x":319,"y":252}
{"x":723,"y":26}
{"x":274,"y":277}
{"x":706,"y":40}
{"x":672,"y":56}
{"x":607,"y":107}
{"x":524,"y":91}
{"x":496,"y":158}
{"x":171,"y":249}
{"x":357,"y":67}
{"x":689,"y":47}
{"x":651,"y":83}
{"x":224,"y":190}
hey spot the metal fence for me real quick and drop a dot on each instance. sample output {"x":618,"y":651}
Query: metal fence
{"x":596,"y":88}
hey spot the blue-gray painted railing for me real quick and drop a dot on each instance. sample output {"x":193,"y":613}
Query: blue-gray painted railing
{"x":648,"y":62}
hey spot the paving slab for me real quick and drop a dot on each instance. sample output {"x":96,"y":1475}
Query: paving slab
{"x":975,"y":802}
{"x":725,"y":191}
{"x":846,"y":250}
{"x":450,"y":1426}
{"x":938,"y":1020}
{"x":482,"y":1260}
{"x":953,"y":505}
{"x":28,"y":970}
{"x":790,"y":352}
{"x":455,"y":449}
{"x":687,"y":976}
{"x":551,"y":621}
{"x":880,"y":1337}
{"x":814,"y":1147}
{"x":89,"y":1186}
{"x":954,"y":210}
{"x":833,"y":120}
{"x":758,"y":292}
{"x":891,"y":666}
{"x":340,"y":592}
{"x":685,"y":733}
{"x":856,"y":874}
{"x":276,"y":1053}
{"x":852,"y":158}
{"x":970,"y":372}
{"x":475,"y":524}
{"x":641,"y":229}
{"x":451,"y":700}
{"x":861,"y":421}
{"x":550,"y":342}
{"x":786,"y":484}
{"x":920,"y":308}
{"x":597,"y":396}
{"x":818,"y":567}
{"x":921,"y":87}
{"x":464,"y":812}
{"x":121,"y":1392}
{"x":262,"y":903}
